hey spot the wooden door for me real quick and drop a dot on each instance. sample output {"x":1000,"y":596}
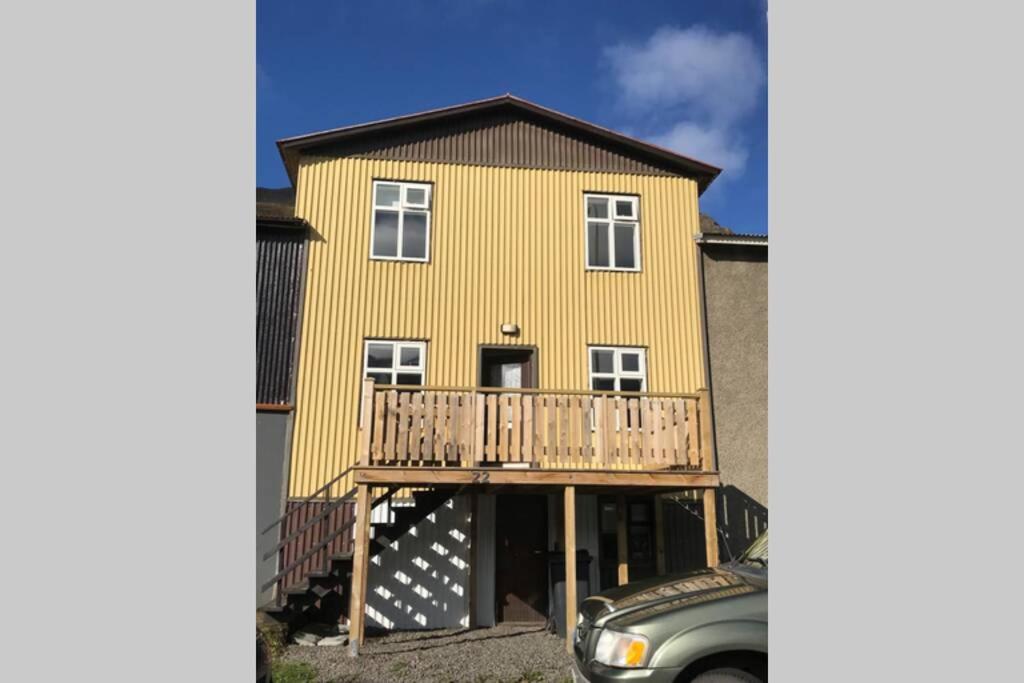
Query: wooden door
{"x":521,"y":581}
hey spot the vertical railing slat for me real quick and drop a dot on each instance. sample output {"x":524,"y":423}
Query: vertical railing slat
{"x":516,"y":454}
{"x":416,"y":428}
{"x":391,"y":425}
{"x":429,"y":399}
{"x":379,"y":410}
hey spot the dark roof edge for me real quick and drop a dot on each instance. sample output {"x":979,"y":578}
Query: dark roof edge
{"x":734,"y":239}
{"x":292,"y":223}
{"x":287,"y":147}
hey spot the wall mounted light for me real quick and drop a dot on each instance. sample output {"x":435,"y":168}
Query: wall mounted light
{"x":510,"y":329}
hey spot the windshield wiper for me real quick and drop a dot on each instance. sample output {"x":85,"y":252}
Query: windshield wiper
{"x":763,"y":562}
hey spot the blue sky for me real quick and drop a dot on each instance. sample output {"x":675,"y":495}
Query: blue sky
{"x":690,"y":76}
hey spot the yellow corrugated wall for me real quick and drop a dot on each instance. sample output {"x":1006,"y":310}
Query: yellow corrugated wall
{"x":507,"y":246}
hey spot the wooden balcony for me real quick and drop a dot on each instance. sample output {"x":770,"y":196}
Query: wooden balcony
{"x":473,"y":435}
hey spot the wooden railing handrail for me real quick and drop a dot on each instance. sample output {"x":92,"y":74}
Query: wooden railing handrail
{"x":517,"y":390}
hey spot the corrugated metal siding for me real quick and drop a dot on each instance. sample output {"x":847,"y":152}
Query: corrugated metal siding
{"x":422,"y":580}
{"x":507,"y":245}
{"x":279,"y":272}
{"x":501,"y":140}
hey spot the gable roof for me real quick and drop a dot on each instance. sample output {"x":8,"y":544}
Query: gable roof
{"x":418,"y":133}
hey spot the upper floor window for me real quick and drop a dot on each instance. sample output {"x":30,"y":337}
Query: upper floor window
{"x":395,"y":362}
{"x":401,"y":221}
{"x":618,"y":368}
{"x":613,"y":232}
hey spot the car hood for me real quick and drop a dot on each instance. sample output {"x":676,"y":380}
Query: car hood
{"x":644,"y":599}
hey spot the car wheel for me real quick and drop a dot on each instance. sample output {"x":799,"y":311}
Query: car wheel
{"x":726,"y":676}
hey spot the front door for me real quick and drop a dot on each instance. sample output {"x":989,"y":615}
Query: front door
{"x":521,"y":580}
{"x":507,"y":366}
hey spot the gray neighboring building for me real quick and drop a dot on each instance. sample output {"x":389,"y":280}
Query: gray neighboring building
{"x":734,"y":279}
{"x":280,"y":274}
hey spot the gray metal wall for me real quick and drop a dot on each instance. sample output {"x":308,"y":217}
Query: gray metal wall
{"x":271,"y":454}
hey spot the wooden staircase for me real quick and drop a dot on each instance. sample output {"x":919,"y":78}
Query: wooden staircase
{"x":297,"y":603}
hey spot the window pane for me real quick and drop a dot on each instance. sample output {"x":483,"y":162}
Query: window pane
{"x":379,"y":355}
{"x":380,"y":377}
{"x":624,"y":256}
{"x":409,"y":356}
{"x":631,"y":362}
{"x":414,"y":235}
{"x":409,"y":378}
{"x":631,"y":385}
{"x":602,"y":361}
{"x":597,"y":245}
{"x":623,"y":208}
{"x":416,"y":196}
{"x":387,"y":195}
{"x":597,"y":208}
{"x":603,"y":384}
{"x":385,"y":233}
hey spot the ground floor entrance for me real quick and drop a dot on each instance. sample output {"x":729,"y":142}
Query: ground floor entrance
{"x":521,"y":576}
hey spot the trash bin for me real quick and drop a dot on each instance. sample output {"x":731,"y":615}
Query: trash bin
{"x":556,"y":580}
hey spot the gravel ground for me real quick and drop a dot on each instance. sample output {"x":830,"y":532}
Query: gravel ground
{"x":504,"y":654}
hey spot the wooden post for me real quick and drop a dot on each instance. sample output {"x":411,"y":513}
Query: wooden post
{"x":366,"y":421}
{"x":708,"y":459}
{"x":710,"y":527}
{"x":659,"y":535}
{"x":570,"y":565}
{"x":360,"y":565}
{"x":620,"y":528}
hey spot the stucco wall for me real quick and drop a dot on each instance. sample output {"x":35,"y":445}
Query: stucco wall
{"x":736,"y":301}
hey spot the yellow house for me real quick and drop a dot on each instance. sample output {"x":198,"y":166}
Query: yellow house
{"x":501,"y":315}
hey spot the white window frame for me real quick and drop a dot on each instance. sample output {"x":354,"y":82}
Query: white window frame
{"x":396,"y":367}
{"x":612,"y":219}
{"x":618,"y":374}
{"x":403,"y":207}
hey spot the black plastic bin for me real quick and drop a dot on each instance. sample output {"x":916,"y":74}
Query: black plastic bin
{"x":556,"y":580}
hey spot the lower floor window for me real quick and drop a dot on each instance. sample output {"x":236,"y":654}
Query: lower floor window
{"x":395,"y":362}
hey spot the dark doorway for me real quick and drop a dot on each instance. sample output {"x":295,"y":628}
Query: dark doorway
{"x":521,"y":580}
{"x":508,"y":366}
{"x":640,"y":537}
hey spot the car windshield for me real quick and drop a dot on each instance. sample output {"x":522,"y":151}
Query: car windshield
{"x":757,"y":553}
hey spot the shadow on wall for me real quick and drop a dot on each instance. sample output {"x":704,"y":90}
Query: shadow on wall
{"x":741,"y":519}
{"x":421,"y":581}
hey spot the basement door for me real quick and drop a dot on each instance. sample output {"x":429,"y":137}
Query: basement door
{"x":521,"y":565}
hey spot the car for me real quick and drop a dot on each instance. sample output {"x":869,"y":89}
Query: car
{"x":705,"y":626}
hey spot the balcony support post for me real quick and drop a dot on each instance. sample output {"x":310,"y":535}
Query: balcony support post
{"x":710,"y":527}
{"x":621,"y":540}
{"x":570,"y":565}
{"x":360,"y":565}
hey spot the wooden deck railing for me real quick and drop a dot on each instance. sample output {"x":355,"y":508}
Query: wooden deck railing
{"x":474,"y":426}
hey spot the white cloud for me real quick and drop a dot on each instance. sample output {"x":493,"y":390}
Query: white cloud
{"x":718,"y":75}
{"x":697,"y":84}
{"x":712,"y":145}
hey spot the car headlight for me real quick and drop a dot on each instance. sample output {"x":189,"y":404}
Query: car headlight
{"x":625,"y":650}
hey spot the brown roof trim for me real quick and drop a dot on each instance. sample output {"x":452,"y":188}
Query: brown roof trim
{"x":703,"y":173}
